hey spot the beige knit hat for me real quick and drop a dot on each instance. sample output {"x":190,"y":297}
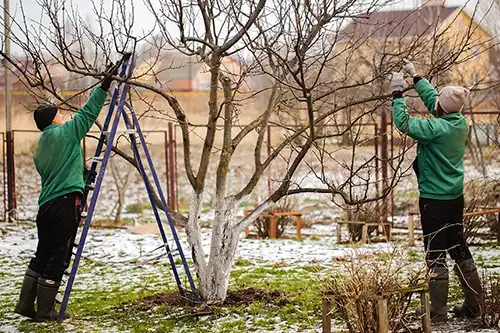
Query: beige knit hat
{"x":452,"y":99}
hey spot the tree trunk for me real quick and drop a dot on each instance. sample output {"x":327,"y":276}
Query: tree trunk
{"x":213,"y":287}
{"x":194,"y":237}
{"x":213,"y":278}
{"x":119,"y":209}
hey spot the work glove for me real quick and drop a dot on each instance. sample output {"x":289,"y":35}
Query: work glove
{"x":398,"y":82}
{"x":111,"y":70}
{"x":409,"y":68}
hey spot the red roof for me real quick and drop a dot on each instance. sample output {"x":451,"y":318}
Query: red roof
{"x":397,"y":24}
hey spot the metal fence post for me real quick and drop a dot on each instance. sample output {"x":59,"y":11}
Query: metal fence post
{"x":392,"y":168}
{"x":4,"y":175}
{"x":375,"y":143}
{"x":176,"y":180}
{"x":11,"y":177}
{"x":269,"y":187}
{"x":384,"y":156}
{"x":172,"y":195}
{"x":165,"y":146}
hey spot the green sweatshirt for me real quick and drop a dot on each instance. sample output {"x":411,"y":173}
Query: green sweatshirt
{"x":58,"y":154}
{"x":441,"y":145}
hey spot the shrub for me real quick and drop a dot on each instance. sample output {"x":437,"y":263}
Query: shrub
{"x":138,"y":207}
{"x":480,"y":195}
{"x":263,"y":223}
{"x":354,"y":292}
{"x":366,"y":213}
{"x":490,"y":318}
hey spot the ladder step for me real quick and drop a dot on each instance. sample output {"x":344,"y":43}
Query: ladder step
{"x":173,"y":252}
{"x":130,"y":131}
{"x":97,"y":159}
{"x":59,"y":298}
{"x":187,"y":290}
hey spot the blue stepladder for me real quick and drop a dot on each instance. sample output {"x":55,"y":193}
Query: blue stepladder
{"x":119,"y":108}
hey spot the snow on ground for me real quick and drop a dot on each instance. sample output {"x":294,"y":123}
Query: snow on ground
{"x":405,"y":193}
{"x":132,"y":258}
{"x":121,"y":246}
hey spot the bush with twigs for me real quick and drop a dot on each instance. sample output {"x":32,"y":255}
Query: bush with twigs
{"x":480,"y":195}
{"x":365,"y":213}
{"x":263,"y":222}
{"x":354,"y":293}
{"x":490,"y":317}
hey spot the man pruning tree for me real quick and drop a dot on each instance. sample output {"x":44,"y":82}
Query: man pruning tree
{"x":439,"y":168}
{"x":58,"y":159}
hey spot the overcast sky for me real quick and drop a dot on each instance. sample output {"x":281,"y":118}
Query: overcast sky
{"x":144,"y":20}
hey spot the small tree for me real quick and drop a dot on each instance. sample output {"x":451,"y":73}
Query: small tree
{"x":121,"y":182}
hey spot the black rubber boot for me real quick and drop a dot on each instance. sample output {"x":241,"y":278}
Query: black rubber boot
{"x":471,"y":285}
{"x":438,"y":292}
{"x":26,"y":304}
{"x":46,"y":293}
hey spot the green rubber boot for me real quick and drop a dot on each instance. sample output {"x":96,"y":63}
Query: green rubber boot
{"x":46,"y":294}
{"x":26,"y":304}
{"x":471,"y":285}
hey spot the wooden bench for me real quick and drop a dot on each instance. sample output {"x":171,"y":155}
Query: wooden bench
{"x":411,"y":225}
{"x":274,"y":222}
{"x":364,"y":229}
{"x":382,"y":307}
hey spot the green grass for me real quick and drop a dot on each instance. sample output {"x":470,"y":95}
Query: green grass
{"x":137,"y":208}
{"x":246,"y":204}
{"x":117,"y":305}
{"x":243,"y":262}
{"x":114,"y":304}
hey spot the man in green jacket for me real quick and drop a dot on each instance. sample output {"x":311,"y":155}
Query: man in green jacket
{"x":58,"y":158}
{"x":439,"y":168}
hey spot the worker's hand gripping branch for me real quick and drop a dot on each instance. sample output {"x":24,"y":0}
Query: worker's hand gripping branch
{"x":112,"y":70}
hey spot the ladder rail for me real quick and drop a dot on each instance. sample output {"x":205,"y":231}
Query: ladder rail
{"x":120,"y":94}
{"x":164,"y":203}
{"x":90,"y":213}
{"x":100,"y":143}
{"x":149,"y":190}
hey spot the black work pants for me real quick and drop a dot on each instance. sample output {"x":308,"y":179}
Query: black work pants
{"x":442,"y":224}
{"x":57,"y":223}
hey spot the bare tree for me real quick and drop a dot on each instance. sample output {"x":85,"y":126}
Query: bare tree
{"x":121,"y":183}
{"x":304,"y":60}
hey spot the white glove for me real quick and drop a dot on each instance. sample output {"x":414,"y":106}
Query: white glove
{"x":398,"y":82}
{"x":409,"y":68}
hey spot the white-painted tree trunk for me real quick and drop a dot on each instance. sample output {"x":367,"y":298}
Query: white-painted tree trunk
{"x":194,"y":236}
{"x":222,"y":251}
{"x":213,"y":277}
